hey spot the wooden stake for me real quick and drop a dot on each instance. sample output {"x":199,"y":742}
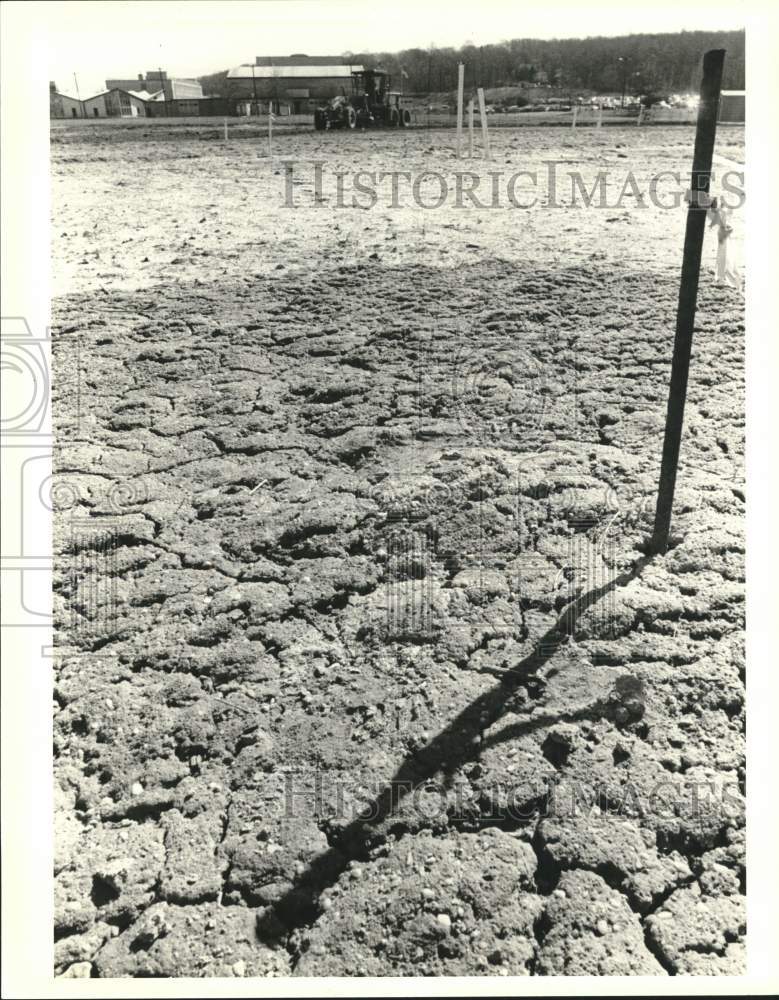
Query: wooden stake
{"x":270,"y":130}
{"x":640,"y":113}
{"x":470,"y":128}
{"x":600,"y":116}
{"x":483,"y":115}
{"x":460,"y":87}
{"x":575,"y":115}
{"x":225,"y":130}
{"x":705,"y":135}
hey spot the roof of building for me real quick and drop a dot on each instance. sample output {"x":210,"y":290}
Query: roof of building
{"x":81,"y":100}
{"x":250,"y":71}
{"x":299,"y":59}
{"x":142,"y":95}
{"x":127,"y":83}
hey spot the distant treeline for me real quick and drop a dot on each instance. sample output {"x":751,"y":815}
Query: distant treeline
{"x":669,"y":63}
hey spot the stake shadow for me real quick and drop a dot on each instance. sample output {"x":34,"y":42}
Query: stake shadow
{"x":458,"y":744}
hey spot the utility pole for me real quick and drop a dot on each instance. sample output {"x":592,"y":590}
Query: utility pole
{"x":624,"y":78}
{"x":164,"y":95}
{"x":705,"y":135}
{"x":78,"y":97}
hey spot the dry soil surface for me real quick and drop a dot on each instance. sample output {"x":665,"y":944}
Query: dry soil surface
{"x":363,"y":668}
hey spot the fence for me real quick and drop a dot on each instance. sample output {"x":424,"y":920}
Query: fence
{"x":585,"y":116}
{"x":245,"y":127}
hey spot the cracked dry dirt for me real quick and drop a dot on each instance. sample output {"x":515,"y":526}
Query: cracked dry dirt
{"x":363,"y":669}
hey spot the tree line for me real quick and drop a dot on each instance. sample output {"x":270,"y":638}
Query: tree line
{"x":641,"y":64}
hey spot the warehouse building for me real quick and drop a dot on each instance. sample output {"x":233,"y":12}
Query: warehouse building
{"x":298,"y":81}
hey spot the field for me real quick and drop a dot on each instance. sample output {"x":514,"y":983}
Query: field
{"x":363,"y":666}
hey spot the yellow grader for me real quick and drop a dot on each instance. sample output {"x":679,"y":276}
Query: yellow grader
{"x":371,"y":103}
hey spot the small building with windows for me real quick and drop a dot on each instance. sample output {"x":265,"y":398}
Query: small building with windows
{"x":112,"y":103}
{"x":64,"y":105}
{"x":116,"y":103}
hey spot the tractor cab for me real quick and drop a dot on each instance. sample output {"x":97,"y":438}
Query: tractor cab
{"x":372,"y":84}
{"x":374,"y":102}
{"x":370,"y":104}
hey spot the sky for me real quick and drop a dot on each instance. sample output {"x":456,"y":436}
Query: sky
{"x":97,"y":40}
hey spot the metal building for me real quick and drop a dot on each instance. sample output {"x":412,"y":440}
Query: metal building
{"x":298,"y":81}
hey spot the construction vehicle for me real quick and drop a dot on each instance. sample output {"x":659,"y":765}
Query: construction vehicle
{"x":371,"y":103}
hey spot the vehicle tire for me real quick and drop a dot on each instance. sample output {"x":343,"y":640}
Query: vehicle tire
{"x":405,"y":118}
{"x":351,"y":118}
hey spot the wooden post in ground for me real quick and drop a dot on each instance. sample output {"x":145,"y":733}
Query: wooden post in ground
{"x":270,"y":130}
{"x":460,"y":87}
{"x":470,"y":128}
{"x":705,"y":135}
{"x":483,"y":115}
{"x":575,"y":115}
{"x":225,"y":130}
{"x":640,"y":113}
{"x":600,"y":116}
